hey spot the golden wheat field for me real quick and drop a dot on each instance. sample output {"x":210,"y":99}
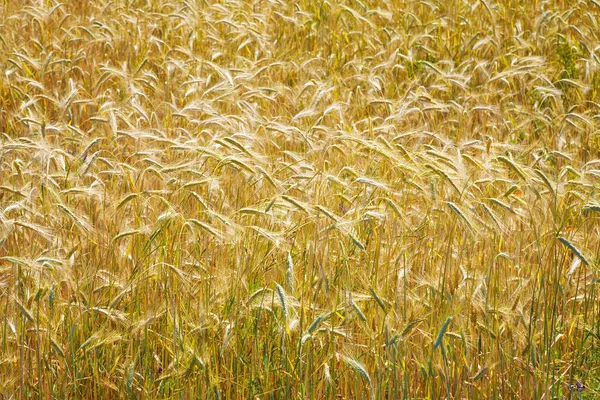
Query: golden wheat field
{"x":312,"y":199}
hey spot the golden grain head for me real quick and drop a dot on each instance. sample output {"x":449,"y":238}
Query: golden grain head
{"x":225,"y":199}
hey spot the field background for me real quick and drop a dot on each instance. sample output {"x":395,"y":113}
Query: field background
{"x":299,"y":199}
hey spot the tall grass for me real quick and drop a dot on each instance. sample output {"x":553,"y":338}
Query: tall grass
{"x":307,"y":199}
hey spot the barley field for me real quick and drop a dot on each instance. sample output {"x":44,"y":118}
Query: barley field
{"x":312,"y":199}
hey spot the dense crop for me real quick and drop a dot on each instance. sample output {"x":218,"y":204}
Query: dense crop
{"x":299,"y":199}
